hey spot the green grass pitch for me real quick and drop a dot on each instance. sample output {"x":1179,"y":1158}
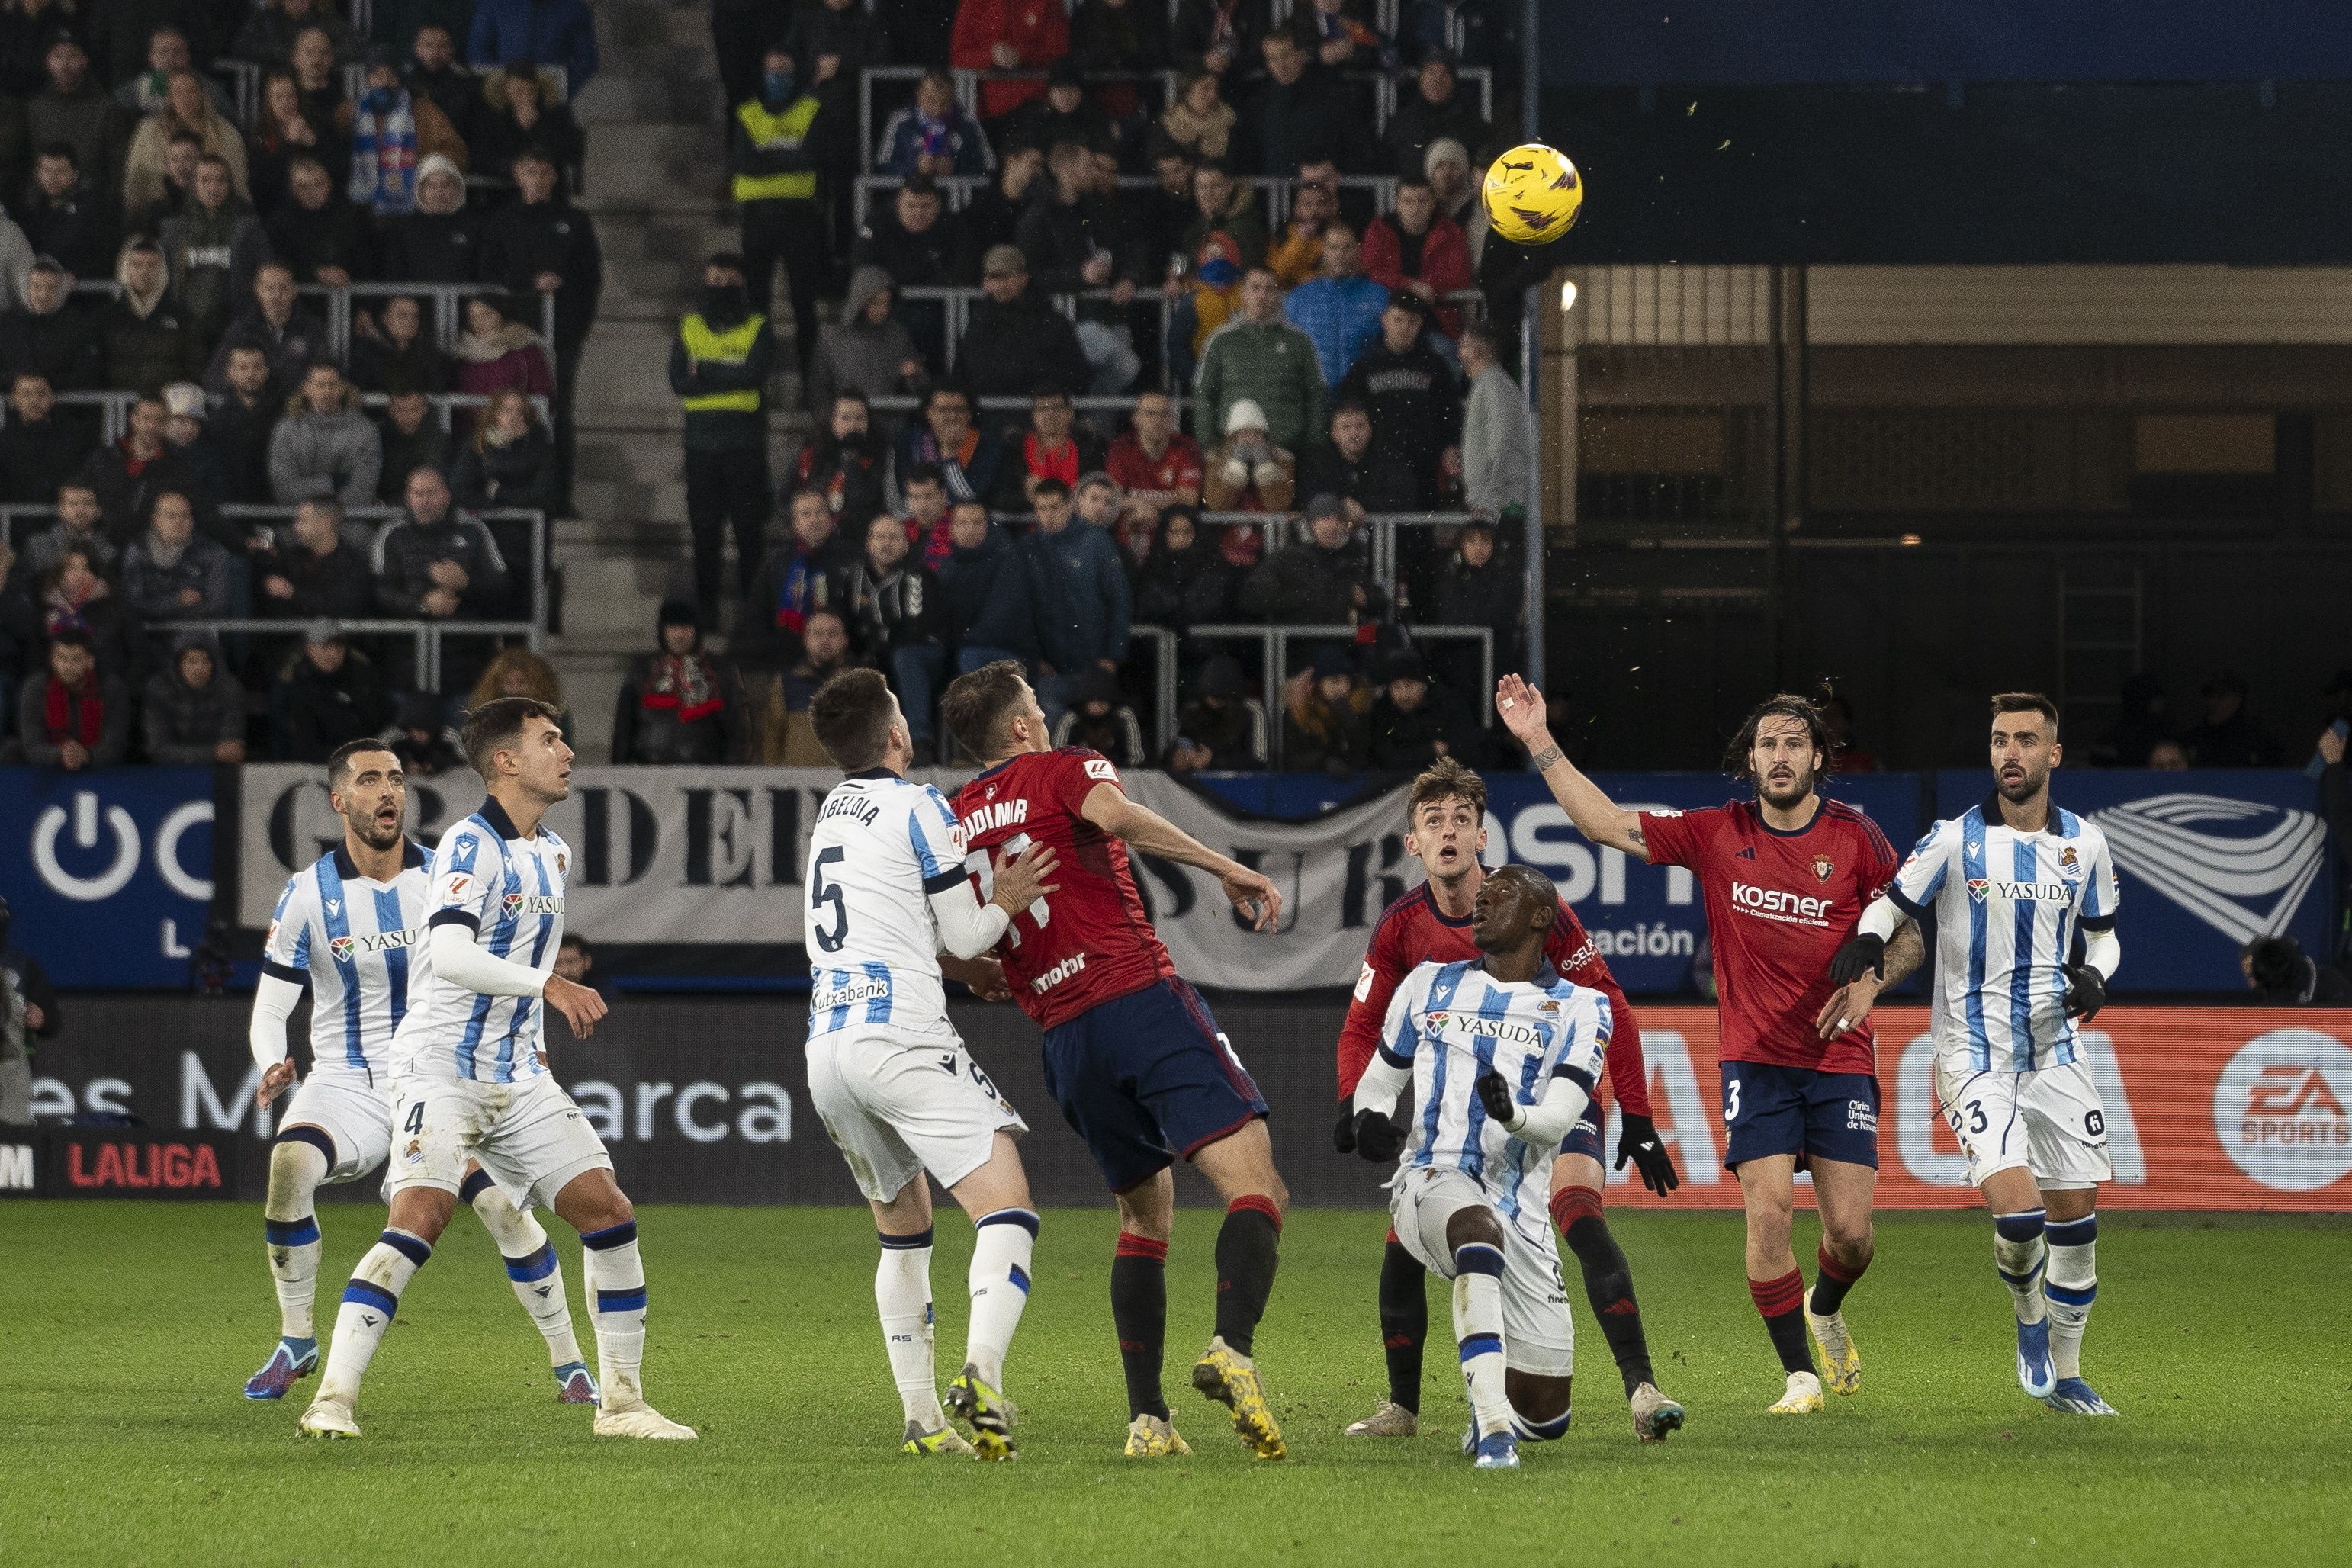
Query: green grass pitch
{"x":126,"y":1332}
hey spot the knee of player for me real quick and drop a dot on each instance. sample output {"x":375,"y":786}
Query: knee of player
{"x":1473,"y":1227}
{"x":1848,"y":1239}
{"x":613,"y":1210}
{"x":1539,"y":1401}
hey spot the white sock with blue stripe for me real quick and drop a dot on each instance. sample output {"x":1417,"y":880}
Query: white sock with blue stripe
{"x":1478,"y":1329}
{"x":998,"y":1279}
{"x":2072,"y":1285}
{"x":614,"y":1277}
{"x":289,"y":1223}
{"x":902,"y":1296}
{"x":369,"y":1301}
{"x":2019,"y":1254}
{"x":532,"y":1266}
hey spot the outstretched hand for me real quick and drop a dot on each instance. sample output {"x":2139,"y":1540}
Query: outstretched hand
{"x":1521,"y":708}
{"x":275,"y":1080}
{"x":1495,"y":1096}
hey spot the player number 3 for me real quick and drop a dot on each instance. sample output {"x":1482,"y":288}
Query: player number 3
{"x":1731,"y":1100}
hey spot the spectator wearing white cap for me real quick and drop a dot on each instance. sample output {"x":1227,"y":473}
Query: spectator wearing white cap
{"x":1247,"y":471}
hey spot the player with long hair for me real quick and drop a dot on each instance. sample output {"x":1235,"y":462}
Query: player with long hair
{"x":1785,"y":875}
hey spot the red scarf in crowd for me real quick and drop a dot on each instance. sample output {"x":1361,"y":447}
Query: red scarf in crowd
{"x":682,"y":686}
{"x":75,"y":715}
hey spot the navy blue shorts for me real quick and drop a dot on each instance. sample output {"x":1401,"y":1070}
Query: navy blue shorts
{"x":1584,"y":1138}
{"x":1773,"y":1110}
{"x":1146,"y":1078}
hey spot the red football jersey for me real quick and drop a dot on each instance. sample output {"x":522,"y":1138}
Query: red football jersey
{"x":1412,"y":931}
{"x":1779,"y":905}
{"x":1088,"y":942}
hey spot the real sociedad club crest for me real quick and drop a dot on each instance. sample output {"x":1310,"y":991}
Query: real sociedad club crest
{"x":2241,"y":867}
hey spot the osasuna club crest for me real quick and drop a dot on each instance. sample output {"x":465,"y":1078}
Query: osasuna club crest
{"x":1822,"y":866}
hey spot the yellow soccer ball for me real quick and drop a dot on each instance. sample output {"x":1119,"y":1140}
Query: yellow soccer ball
{"x":1533,"y":195}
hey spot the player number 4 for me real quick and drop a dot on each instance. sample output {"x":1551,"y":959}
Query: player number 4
{"x":415,"y":1122}
{"x":985,"y":870}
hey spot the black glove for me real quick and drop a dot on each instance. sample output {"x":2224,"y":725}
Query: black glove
{"x":2087,"y":992}
{"x":1378,"y":1138}
{"x":1638,"y":1141}
{"x":1343,"y":1136}
{"x":1495,"y":1096}
{"x":1862,"y":953}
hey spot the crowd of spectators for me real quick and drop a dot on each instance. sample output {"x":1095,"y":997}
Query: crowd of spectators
{"x":1137,"y":323}
{"x":183,"y":188}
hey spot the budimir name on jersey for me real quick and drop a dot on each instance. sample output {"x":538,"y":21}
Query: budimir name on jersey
{"x":995,"y":813}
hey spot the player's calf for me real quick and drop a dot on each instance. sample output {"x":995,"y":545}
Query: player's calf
{"x":370,"y":1302}
{"x":537,"y":1280}
{"x":298,"y":1162}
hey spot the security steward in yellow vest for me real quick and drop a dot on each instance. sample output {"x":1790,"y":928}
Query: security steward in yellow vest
{"x":774,"y":150}
{"x":719,"y":367}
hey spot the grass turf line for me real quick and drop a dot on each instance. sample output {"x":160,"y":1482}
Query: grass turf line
{"x":130,"y":1328}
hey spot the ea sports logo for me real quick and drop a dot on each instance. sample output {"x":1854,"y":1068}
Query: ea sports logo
{"x":2280,"y":1110}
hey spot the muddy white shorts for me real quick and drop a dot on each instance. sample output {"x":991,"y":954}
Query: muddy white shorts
{"x":527,"y":1134}
{"x":353,"y":1110}
{"x":2048,"y":1121}
{"x":895,"y":1106}
{"x":1539,"y":1335}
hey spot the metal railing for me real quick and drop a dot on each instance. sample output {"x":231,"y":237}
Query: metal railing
{"x":18,"y":522}
{"x":1382,"y":526}
{"x":967,"y":92}
{"x":1274,"y":667}
{"x":1384,"y":86}
{"x":1276,"y":191}
{"x":426,"y":637}
{"x":444,"y":303}
{"x":244,"y":78}
{"x":114,"y":407}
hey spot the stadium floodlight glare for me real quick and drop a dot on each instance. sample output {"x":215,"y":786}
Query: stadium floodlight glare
{"x":1567,"y":297}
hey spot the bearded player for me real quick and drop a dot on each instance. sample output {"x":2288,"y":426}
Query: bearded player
{"x":2012,"y":879}
{"x":348,"y":929}
{"x":1786,"y":876}
{"x":1132,"y":1055}
{"x":1447,"y":831}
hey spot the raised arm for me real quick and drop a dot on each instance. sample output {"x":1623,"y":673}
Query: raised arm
{"x":1599,"y":819}
{"x":1145,"y":830}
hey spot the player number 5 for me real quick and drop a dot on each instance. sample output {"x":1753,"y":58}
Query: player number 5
{"x":822,"y":892}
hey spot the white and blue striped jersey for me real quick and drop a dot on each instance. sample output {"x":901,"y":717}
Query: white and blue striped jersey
{"x":882,"y":846}
{"x":356,"y":943}
{"x":1449,"y":1023}
{"x":508,"y":890}
{"x":2007,"y":905}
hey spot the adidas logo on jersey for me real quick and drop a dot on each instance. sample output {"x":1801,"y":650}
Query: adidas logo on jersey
{"x":534,"y":904}
{"x":1059,"y":973}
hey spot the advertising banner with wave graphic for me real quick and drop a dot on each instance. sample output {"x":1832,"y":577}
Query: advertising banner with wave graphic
{"x":2209,"y":860}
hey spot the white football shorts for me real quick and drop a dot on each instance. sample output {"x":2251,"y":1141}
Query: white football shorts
{"x":895,"y":1106}
{"x":1538,"y":1334}
{"x":527,"y":1134}
{"x":2049,"y":1121}
{"x":351,"y":1109}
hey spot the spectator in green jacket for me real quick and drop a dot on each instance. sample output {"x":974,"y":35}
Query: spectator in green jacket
{"x":1261,"y":357}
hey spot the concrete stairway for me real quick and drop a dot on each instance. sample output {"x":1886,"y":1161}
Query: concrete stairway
{"x":656,"y":168}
